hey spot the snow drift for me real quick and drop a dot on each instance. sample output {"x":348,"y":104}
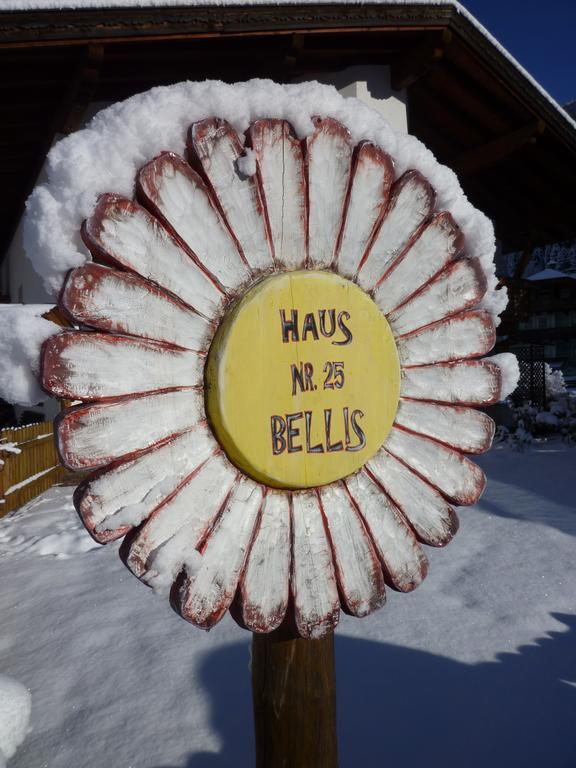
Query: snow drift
{"x":15,"y":707}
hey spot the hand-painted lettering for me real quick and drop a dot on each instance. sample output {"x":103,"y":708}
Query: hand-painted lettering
{"x":312,"y":329}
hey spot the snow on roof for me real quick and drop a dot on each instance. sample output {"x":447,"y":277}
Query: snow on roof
{"x":550,"y":274}
{"x":36,"y":5}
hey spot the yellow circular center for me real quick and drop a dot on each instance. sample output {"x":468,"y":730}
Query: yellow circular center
{"x":302,"y":380}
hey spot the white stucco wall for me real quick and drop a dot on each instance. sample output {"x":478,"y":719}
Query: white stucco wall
{"x":370,"y":84}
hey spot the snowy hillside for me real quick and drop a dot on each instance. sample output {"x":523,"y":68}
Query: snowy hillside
{"x":475,"y":668}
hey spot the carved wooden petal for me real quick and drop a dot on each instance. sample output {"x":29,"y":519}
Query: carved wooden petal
{"x":206,"y":596}
{"x":460,"y":286}
{"x":179,"y":525}
{"x":469,"y":382}
{"x":372,"y":176}
{"x":358,"y":570}
{"x":214,"y":147}
{"x":105,"y":498}
{"x":452,"y":474}
{"x":316,"y":602}
{"x":438,"y":243}
{"x":94,"y":366}
{"x":329,"y":154}
{"x":124,"y":234}
{"x":124,"y":303}
{"x":465,"y":429}
{"x":281,"y":167}
{"x":403,"y":561}
{"x":177,"y":194}
{"x":469,"y":334}
{"x":265,"y":586}
{"x":432,"y":519}
{"x":93,"y":435}
{"x":411,"y":203}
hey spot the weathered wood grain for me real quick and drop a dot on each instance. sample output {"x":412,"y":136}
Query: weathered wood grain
{"x":265,"y":586}
{"x":178,"y":196}
{"x":90,"y":436}
{"x":403,"y":561}
{"x":469,"y":334}
{"x":124,"y":234}
{"x":455,"y":476}
{"x":313,"y":582}
{"x":215,"y":148}
{"x":144,"y":482}
{"x":206,"y":595}
{"x":125,"y":303}
{"x":294,"y":694}
{"x":371,"y":180}
{"x":280,"y":166}
{"x":328,"y":159}
{"x":96,"y":366}
{"x":431,"y":517}
{"x":411,"y":203}
{"x":439,"y":242}
{"x":358,"y":571}
{"x":458,"y":287}
{"x":168,"y":541}
{"x":468,"y":382}
{"x":465,"y":429}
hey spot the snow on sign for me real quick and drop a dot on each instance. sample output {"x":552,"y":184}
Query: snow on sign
{"x":278,"y":352}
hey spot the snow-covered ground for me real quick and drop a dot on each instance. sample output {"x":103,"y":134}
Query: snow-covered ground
{"x":476,"y":668}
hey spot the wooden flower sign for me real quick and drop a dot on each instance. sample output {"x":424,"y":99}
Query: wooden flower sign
{"x":278,"y":357}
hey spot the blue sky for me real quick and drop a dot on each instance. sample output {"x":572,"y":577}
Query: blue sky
{"x":540,"y":35}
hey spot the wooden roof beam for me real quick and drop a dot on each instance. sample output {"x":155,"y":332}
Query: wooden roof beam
{"x":494,"y":151}
{"x":409,"y":67}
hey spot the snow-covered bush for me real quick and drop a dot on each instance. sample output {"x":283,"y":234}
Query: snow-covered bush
{"x":555,"y":384}
{"x":556,"y":419}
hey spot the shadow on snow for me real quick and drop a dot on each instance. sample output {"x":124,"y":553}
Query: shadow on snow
{"x":542,"y":480}
{"x":398,"y":706}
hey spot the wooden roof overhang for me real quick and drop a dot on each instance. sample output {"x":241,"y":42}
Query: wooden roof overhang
{"x":515,"y":150}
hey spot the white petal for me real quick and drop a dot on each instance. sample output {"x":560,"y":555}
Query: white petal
{"x":438,"y":243}
{"x":264,"y":589}
{"x":358,"y":570}
{"x":281,"y":165}
{"x":470,"y":382}
{"x":411,"y":203}
{"x":207,"y":596}
{"x":122,"y":232}
{"x":447,"y":470}
{"x":92,"y":366}
{"x":458,"y":287}
{"x":119,"y":301}
{"x":402,"y":558}
{"x":465,"y":429}
{"x":372,"y":176}
{"x":316,"y":602}
{"x":217,"y":148}
{"x":329,"y":153}
{"x":470,"y":334}
{"x":90,"y":436}
{"x":181,"y":523}
{"x":143,"y":482}
{"x":172,"y":190}
{"x":428,"y":513}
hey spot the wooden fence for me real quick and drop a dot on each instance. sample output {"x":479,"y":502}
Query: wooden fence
{"x":30,"y":464}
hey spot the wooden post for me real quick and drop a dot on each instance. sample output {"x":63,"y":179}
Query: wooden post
{"x":294,"y":694}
